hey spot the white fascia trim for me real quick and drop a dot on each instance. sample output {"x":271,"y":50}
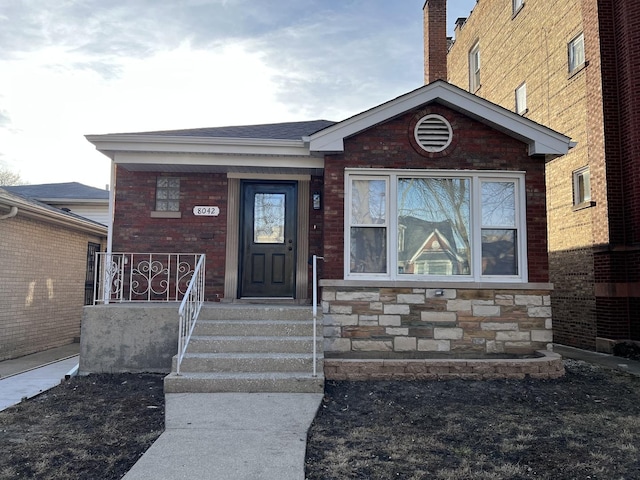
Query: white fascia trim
{"x":79,"y":201}
{"x":184,"y":159}
{"x":162,"y":143}
{"x":541,"y":140}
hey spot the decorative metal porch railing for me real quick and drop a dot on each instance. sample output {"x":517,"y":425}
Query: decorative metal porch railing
{"x":146,"y":277}
{"x":190,"y":309}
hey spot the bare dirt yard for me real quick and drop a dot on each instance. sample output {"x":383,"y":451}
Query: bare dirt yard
{"x":93,"y":427}
{"x":585,"y":425}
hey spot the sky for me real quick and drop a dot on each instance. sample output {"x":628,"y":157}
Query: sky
{"x":75,"y":67}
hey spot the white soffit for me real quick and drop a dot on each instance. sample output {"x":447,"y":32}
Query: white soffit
{"x":541,"y":140}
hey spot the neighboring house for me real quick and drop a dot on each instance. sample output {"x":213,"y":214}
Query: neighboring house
{"x":409,"y":203}
{"x":74,"y":197}
{"x":47,"y":274}
{"x":572,"y":66}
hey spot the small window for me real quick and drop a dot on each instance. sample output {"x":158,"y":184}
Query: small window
{"x":581,"y":186}
{"x":517,"y":5}
{"x":521,"y":99}
{"x":168,"y":194}
{"x":576,"y":53}
{"x":474,"y":68}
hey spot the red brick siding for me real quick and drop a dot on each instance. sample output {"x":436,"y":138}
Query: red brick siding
{"x":476,"y":146}
{"x":435,"y":30}
{"x":136,"y":231}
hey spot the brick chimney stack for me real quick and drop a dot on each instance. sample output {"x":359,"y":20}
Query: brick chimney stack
{"x":435,"y":40}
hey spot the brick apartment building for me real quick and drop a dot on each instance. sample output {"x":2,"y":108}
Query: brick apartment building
{"x":569,"y":65}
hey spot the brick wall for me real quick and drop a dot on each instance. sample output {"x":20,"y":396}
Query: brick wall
{"x":594,"y":291}
{"x":42,"y":280}
{"x":435,"y":30}
{"x":136,"y":231}
{"x":474,"y":146}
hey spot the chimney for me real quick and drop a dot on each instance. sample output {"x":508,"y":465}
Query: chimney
{"x":435,"y":40}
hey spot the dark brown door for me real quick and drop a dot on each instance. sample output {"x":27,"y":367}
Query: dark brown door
{"x":268,"y":239}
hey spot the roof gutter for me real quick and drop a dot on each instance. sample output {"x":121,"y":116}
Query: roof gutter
{"x":50,"y":216}
{"x":12,"y":213}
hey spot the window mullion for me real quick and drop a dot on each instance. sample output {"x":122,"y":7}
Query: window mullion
{"x":476,"y":228}
{"x":392,"y":221}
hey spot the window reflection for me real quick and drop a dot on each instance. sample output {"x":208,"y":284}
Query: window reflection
{"x":499,"y":252}
{"x":498,"y":204}
{"x":433,"y":226}
{"x":368,"y":250}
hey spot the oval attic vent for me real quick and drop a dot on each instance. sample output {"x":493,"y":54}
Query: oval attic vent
{"x":433,"y":133}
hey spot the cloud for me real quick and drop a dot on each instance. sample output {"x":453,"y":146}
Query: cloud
{"x":5,"y":120}
{"x":88,"y":66}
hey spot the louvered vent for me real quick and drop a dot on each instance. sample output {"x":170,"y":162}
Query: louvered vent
{"x":433,"y":133}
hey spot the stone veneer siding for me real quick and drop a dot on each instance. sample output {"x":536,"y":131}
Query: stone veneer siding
{"x":463,"y":320}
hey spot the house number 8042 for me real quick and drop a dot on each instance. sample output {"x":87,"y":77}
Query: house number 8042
{"x":202,"y":211}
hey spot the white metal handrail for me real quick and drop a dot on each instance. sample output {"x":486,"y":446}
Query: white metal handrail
{"x":146,"y":277}
{"x":190,"y":309}
{"x":315,"y":311}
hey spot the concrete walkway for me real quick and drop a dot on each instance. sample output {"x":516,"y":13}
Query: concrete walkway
{"x":243,"y":436}
{"x":28,"y":376}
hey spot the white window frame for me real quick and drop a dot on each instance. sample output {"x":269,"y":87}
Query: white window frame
{"x":348,"y":221}
{"x":474,"y":67}
{"x":476,"y":178}
{"x":521,"y":99}
{"x":576,"y":53}
{"x":584,"y":174}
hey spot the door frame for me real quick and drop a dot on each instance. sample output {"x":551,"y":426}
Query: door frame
{"x":285,"y":250}
{"x":231,"y":276}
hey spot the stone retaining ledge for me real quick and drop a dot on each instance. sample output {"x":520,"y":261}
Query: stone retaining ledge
{"x":547,"y":365}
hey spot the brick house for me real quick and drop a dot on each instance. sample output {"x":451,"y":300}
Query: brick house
{"x":428,"y":210}
{"x":46,"y":276}
{"x":571,"y":66}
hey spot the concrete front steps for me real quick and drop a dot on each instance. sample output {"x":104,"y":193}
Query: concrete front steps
{"x":250,"y":348}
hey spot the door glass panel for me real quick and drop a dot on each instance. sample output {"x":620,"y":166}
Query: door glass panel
{"x":268,"y":218}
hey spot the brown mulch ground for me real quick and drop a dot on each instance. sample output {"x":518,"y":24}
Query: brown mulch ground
{"x":583,"y":426}
{"x":93,"y":427}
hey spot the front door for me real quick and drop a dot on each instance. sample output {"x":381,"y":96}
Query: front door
{"x":268,"y":239}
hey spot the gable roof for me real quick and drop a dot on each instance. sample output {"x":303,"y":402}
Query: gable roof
{"x":541,"y":140}
{"x":70,"y":192}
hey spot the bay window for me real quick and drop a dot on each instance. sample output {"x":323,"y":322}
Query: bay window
{"x":435,"y":225}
